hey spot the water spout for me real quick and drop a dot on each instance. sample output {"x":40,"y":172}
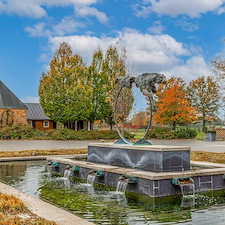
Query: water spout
{"x":91,"y":177}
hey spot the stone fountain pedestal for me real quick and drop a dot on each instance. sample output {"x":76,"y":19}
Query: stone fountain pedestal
{"x":154,"y":158}
{"x":153,"y":167}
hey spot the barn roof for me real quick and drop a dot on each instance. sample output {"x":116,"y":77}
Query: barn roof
{"x":8,"y":100}
{"x":35,"y":112}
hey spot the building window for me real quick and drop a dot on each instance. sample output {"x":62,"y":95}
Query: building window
{"x":45,"y":123}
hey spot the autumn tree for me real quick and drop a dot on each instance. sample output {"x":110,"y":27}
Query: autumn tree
{"x":115,"y":66}
{"x":219,"y":77}
{"x":173,"y":105}
{"x":204,"y":94}
{"x":141,"y":119}
{"x":64,"y":91}
{"x":99,"y":85}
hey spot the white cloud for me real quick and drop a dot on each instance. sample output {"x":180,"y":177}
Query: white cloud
{"x":38,"y":30}
{"x":157,"y":28}
{"x":66,"y":26}
{"x":36,"y":8}
{"x":90,"y":11}
{"x":82,"y":45}
{"x":22,"y":8}
{"x":30,"y":99}
{"x":66,"y":2}
{"x":191,"y":8}
{"x":152,"y":52}
{"x":146,"y":52}
{"x":191,"y":69}
{"x":188,"y":26}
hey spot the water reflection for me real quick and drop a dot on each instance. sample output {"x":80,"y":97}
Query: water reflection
{"x":187,"y":201}
{"x":101,"y":205}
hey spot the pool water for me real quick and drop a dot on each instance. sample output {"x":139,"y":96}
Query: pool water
{"x":102,"y":205}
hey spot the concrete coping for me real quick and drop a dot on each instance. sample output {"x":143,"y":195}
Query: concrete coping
{"x":214,"y":170}
{"x":35,"y":158}
{"x":162,"y":148}
{"x":44,"y":209}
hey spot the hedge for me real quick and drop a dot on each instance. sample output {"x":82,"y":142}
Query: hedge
{"x":27,"y":132}
{"x":160,"y":133}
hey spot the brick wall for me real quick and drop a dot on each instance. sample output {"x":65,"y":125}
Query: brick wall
{"x":13,"y":117}
{"x":220,"y":133}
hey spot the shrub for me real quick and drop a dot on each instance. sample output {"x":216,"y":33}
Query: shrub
{"x":27,"y":132}
{"x":160,"y":133}
{"x":185,"y":132}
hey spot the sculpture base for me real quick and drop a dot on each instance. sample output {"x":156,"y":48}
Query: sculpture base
{"x":154,"y":158}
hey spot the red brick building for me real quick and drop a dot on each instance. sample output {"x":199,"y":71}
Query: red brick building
{"x":15,"y":112}
{"x":12,"y":110}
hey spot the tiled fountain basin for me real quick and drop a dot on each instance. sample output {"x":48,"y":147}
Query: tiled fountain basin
{"x":149,"y":183}
{"x":154,"y":158}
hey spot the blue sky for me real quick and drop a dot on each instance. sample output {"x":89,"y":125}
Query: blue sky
{"x":176,"y":37}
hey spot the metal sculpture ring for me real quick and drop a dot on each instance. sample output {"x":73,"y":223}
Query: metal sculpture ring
{"x":147,"y":84}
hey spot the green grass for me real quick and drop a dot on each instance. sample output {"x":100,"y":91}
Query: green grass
{"x":200,"y":136}
{"x":138,"y":135}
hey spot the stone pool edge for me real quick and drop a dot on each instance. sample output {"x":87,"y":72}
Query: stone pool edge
{"x":38,"y":207}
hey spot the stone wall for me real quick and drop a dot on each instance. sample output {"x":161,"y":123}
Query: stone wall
{"x":13,"y":117}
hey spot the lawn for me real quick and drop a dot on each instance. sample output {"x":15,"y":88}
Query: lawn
{"x":200,"y":136}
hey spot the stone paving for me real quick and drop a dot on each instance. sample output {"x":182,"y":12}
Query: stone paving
{"x":19,"y":145}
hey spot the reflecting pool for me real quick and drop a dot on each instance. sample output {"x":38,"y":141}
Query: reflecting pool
{"x":102,"y":205}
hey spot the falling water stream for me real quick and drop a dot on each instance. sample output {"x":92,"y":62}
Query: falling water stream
{"x":188,"y":194}
{"x":91,"y":177}
{"x":49,"y":169}
{"x":187,"y":189}
{"x":67,"y":173}
{"x":122,"y":186}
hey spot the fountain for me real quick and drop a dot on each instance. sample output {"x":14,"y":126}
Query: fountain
{"x":143,"y":168}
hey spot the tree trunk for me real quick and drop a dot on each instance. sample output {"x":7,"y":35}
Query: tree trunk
{"x":203,"y":125}
{"x":174,"y":125}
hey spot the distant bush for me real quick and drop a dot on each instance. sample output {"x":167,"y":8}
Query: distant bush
{"x":160,"y":133}
{"x":67,"y":134}
{"x":163,"y":132}
{"x":27,"y":132}
{"x":185,"y":132}
{"x":16,"y":132}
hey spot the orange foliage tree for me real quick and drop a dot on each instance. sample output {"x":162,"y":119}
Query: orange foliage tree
{"x":141,"y":119}
{"x":173,"y":105}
